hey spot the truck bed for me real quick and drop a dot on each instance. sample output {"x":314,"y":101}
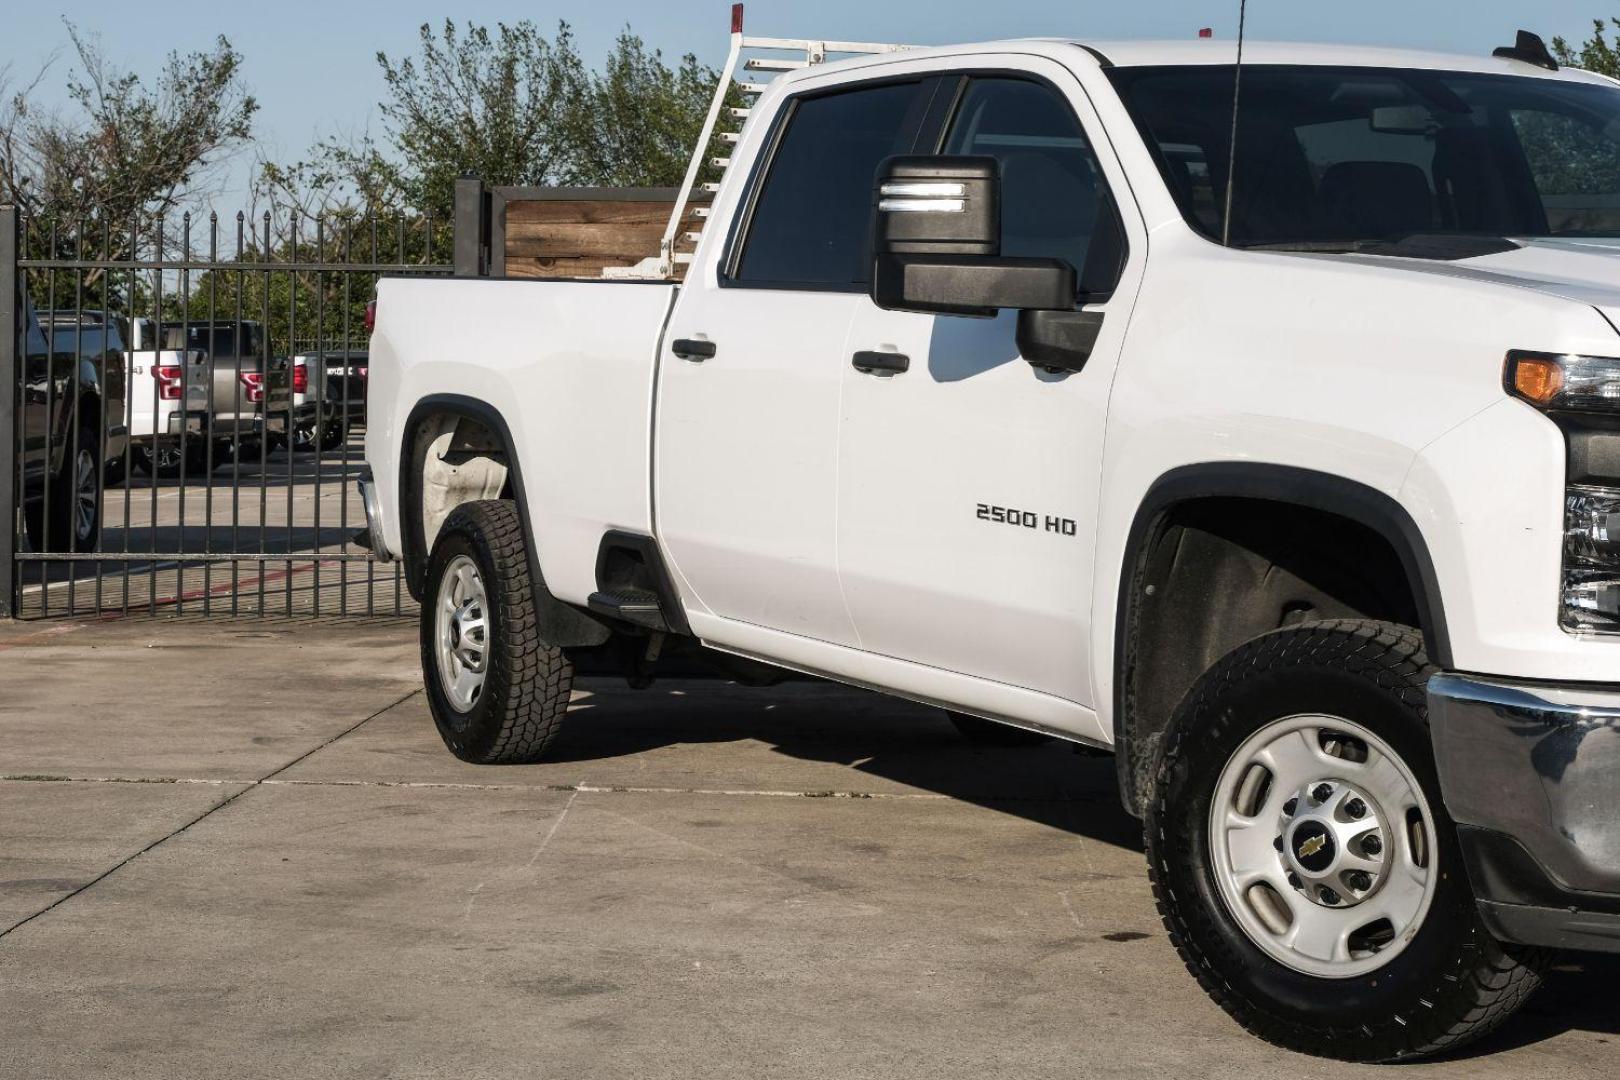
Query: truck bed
{"x":571,"y":366}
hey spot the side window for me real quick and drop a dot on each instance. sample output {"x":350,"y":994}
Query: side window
{"x":812,"y":222}
{"x":1576,"y":167}
{"x":36,"y":346}
{"x":1054,"y":200}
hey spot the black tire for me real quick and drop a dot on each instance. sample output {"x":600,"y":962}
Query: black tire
{"x":54,"y":528}
{"x":168,"y":463}
{"x":333,"y":435}
{"x":160,"y":464}
{"x":519,"y":711}
{"x":990,"y":733}
{"x":1452,"y":982}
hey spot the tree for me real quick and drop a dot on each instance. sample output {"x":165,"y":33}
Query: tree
{"x":512,"y":107}
{"x":1595,"y":54}
{"x":638,"y":119}
{"x":126,"y":152}
{"x":497,"y":104}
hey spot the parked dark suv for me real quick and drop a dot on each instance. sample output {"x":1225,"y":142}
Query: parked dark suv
{"x":72,"y":427}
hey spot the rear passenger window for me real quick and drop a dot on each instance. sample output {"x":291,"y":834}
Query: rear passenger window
{"x":813,"y":219}
{"x":1054,"y":200}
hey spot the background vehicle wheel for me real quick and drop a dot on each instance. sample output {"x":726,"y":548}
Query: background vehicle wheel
{"x":72,"y":521}
{"x":1303,"y":862}
{"x":498,"y":693}
{"x":989,"y":733}
{"x":333,"y":435}
{"x":163,"y":463}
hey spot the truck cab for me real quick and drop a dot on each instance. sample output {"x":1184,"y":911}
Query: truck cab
{"x":997,"y":381}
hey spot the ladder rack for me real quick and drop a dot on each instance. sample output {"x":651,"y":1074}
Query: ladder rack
{"x":673,"y":249}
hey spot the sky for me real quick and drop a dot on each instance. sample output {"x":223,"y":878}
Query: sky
{"x":312,"y":64}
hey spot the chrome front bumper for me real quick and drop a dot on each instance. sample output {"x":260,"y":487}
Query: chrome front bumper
{"x":1531,"y":775}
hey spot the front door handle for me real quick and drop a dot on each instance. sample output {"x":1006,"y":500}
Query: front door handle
{"x":882,"y":363}
{"x":690,"y":349}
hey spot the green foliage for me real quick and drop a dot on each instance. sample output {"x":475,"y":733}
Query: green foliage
{"x":127,"y":152}
{"x":1595,"y":54}
{"x":496,"y":104}
{"x":637,"y":120}
{"x":512,"y":107}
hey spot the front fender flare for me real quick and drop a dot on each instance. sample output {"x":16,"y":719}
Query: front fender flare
{"x":1276,"y":483}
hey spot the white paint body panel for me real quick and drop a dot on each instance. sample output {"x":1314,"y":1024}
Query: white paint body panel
{"x":567,"y":365}
{"x":824,"y":520}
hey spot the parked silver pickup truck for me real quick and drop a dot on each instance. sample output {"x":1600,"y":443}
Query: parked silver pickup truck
{"x":246,"y":394}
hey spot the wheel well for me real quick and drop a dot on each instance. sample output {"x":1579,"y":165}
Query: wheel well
{"x":1212,"y":573}
{"x":451,"y":458}
{"x":457,"y":450}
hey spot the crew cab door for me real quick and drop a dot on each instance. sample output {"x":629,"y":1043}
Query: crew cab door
{"x":746,"y":458}
{"x":969,"y":482}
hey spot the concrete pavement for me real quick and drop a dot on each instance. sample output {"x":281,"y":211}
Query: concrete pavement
{"x":237,"y":847}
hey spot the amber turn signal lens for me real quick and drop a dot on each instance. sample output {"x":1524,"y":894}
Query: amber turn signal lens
{"x":1538,"y":380}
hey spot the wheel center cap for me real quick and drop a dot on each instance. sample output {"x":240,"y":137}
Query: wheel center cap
{"x":1313,"y":847}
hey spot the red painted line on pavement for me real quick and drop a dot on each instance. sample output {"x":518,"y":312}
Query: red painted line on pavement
{"x":240,"y":583}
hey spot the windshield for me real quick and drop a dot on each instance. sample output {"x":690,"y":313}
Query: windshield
{"x":1336,"y":157}
{"x":218,"y":339}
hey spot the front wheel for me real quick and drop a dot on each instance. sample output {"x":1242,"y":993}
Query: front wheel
{"x":497,"y":692}
{"x":1302,"y":859}
{"x":71,"y":520}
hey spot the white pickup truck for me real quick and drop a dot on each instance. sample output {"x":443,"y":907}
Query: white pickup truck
{"x":996,"y":383}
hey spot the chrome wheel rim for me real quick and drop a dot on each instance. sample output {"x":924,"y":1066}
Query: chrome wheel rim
{"x":1323,"y":846}
{"x":84,"y":495}
{"x":461,"y":633}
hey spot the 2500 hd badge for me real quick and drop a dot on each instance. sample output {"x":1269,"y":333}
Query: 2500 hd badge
{"x":1027,"y":519}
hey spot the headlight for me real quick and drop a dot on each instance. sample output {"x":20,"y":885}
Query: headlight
{"x":1574,"y":383}
{"x":1583,"y":395}
{"x":1592,"y":559}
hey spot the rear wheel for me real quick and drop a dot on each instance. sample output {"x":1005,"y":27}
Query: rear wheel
{"x":1303,"y":861}
{"x":333,"y":435}
{"x":497,"y":692}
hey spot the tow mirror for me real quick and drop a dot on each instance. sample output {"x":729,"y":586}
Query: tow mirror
{"x":937,"y":243}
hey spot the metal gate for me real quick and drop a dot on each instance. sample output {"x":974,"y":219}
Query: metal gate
{"x":182,"y":413}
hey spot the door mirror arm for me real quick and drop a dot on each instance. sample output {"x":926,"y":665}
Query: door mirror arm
{"x":1058,"y":341}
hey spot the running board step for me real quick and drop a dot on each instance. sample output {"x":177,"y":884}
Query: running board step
{"x":630,"y":605}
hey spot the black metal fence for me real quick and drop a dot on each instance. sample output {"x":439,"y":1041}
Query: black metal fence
{"x":182,"y":413}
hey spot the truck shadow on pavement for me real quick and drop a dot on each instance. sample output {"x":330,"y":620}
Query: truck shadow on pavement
{"x":1577,"y":995}
{"x":895,"y":742}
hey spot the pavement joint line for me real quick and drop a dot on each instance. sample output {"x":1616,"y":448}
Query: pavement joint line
{"x":247,"y":786}
{"x":582,"y":789}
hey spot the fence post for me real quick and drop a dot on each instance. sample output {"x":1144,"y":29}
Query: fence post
{"x":471,"y":227}
{"x":11,"y":337}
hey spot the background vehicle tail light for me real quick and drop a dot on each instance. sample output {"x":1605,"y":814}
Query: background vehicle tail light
{"x":371,"y":316}
{"x":170,"y":380}
{"x":300,"y":379}
{"x":253,"y":384}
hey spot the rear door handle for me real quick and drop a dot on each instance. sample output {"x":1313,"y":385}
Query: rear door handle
{"x":689,"y":349}
{"x":882,"y":363}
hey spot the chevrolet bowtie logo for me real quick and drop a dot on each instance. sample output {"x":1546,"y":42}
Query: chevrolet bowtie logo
{"x":1312,"y":846}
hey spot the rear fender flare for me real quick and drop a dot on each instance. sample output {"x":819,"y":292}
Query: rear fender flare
{"x":558,"y":623}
